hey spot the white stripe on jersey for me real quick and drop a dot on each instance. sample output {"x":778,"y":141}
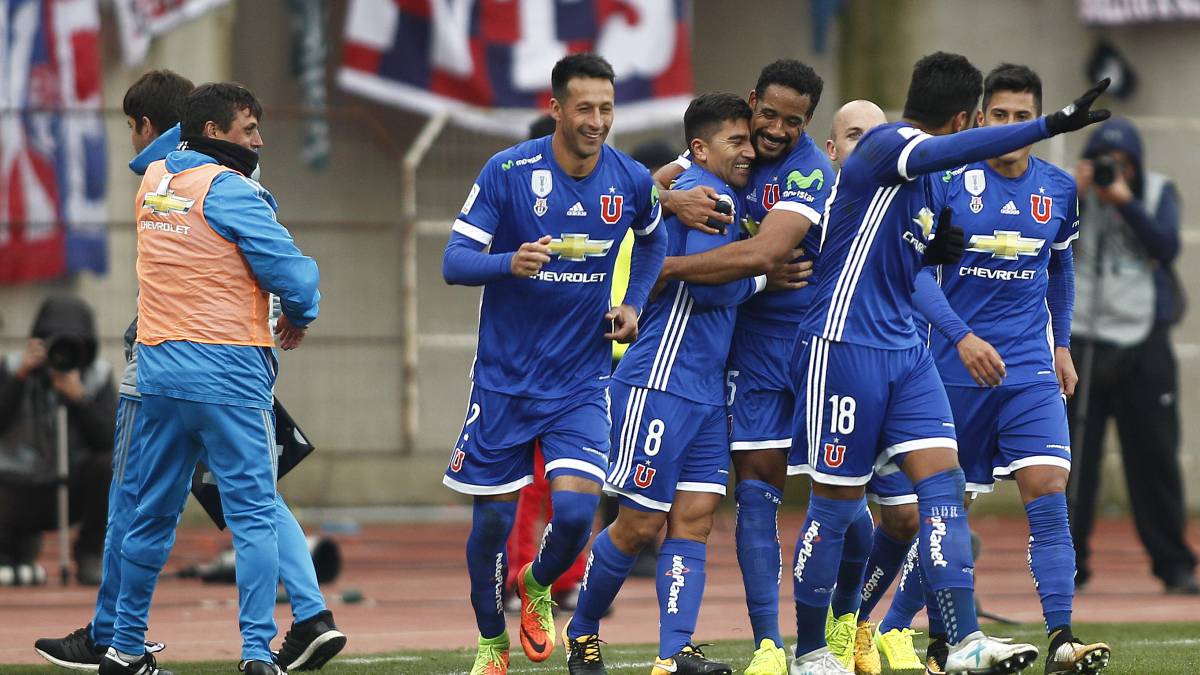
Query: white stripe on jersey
{"x":629,"y":435}
{"x":860,"y":250}
{"x":796,"y":207}
{"x":837,"y":179}
{"x":651,"y":227}
{"x":902,"y":162}
{"x":818,"y":362}
{"x":672,"y":337}
{"x":468,"y":230}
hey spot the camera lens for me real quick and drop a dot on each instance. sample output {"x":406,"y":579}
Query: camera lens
{"x":1104,"y":171}
{"x":65,"y":352}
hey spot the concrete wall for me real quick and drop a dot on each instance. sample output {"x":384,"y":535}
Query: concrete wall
{"x":344,"y":383}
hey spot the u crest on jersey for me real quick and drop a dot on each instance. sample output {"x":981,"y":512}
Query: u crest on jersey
{"x":1040,"y":207}
{"x":643,"y":476}
{"x":770,"y":195}
{"x":834,"y":454}
{"x":610,"y":208}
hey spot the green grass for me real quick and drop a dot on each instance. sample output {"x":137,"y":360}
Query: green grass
{"x":1141,"y":649}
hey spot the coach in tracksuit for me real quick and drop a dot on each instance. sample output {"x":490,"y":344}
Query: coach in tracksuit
{"x":209,"y":253}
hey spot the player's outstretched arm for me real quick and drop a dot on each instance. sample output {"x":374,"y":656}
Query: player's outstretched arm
{"x":728,"y":294}
{"x":775,"y":245}
{"x":927,"y":154}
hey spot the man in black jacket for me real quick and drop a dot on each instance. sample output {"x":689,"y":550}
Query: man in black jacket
{"x":57,"y":367}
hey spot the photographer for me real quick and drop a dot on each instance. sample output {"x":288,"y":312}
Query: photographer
{"x":1126,"y":300}
{"x":57,"y":366}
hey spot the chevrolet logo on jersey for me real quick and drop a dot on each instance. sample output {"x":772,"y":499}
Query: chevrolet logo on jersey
{"x":166,"y":203}
{"x":925,"y":220}
{"x":579,"y":247}
{"x":1006,"y":244}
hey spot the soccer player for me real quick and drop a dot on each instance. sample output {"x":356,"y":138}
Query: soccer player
{"x":872,"y":396}
{"x":152,"y":105}
{"x":552,"y":211}
{"x":209,"y":252}
{"x":790,"y":182}
{"x":1006,"y":381}
{"x":670,"y":456}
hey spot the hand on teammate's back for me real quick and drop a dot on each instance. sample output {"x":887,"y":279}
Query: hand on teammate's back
{"x":791,"y":275}
{"x":1079,"y":113}
{"x":529,"y":259}
{"x":982,"y":360}
{"x":624,"y":324}
{"x":290,"y":336}
{"x":696,"y":206}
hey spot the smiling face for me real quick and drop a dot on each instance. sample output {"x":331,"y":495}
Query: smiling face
{"x":585,"y":115}
{"x":779,"y":118}
{"x":243,"y":131}
{"x":727,"y":153}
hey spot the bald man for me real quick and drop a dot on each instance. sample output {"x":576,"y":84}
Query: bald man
{"x":850,"y":122}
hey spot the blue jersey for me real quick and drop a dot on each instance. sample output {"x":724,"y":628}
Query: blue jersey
{"x":684,"y":333}
{"x":543,"y":337}
{"x":999,"y":286}
{"x":799,"y":182}
{"x":876,"y":228}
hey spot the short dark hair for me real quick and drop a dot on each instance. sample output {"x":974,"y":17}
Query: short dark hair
{"x":158,"y":96}
{"x":542,"y":126}
{"x":943,"y":85}
{"x":1012,"y":77}
{"x":707,"y":112}
{"x":217,"y":102}
{"x":581,"y":64}
{"x":794,"y":75}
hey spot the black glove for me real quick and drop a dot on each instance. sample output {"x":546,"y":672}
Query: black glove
{"x":946,"y":247}
{"x":724,"y":206}
{"x":1079,"y":114}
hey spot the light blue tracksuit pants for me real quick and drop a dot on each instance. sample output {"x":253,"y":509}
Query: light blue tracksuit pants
{"x":158,"y":444}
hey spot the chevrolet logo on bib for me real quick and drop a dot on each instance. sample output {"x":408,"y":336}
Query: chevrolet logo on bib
{"x":579,"y":247}
{"x":166,"y":203}
{"x":1006,"y":244}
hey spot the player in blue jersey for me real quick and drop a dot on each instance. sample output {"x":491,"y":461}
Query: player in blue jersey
{"x":872,"y":396}
{"x":1002,"y":345}
{"x":790,"y":183}
{"x":670,"y":454}
{"x":550,"y":211}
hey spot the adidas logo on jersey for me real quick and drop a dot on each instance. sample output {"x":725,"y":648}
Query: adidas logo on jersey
{"x":1010,"y":209}
{"x":576,"y":210}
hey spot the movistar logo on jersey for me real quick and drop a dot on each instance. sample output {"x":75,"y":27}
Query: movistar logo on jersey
{"x":521,"y":162}
{"x":1006,"y":244}
{"x":579,"y":247}
{"x":164,"y":203}
{"x":798,"y":181}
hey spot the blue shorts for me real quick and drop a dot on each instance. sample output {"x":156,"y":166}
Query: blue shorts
{"x":1007,"y":428}
{"x":662,"y":443}
{"x":761,"y":395}
{"x":860,"y":407}
{"x":494,"y":452}
{"x":891,"y":489}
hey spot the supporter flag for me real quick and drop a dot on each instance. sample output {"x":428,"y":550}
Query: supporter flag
{"x":141,"y":20}
{"x":52,"y":158}
{"x":488,"y":62}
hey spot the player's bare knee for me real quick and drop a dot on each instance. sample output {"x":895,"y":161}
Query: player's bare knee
{"x":768,"y":466}
{"x":633,"y":530}
{"x":694,"y":528}
{"x":1039,"y":481}
{"x":900,"y":521}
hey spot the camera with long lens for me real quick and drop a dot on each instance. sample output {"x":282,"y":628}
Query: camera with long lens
{"x":65,"y":352}
{"x":1104,"y":171}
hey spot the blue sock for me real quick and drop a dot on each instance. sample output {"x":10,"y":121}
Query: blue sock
{"x":759,"y":556}
{"x":886,"y":559}
{"x":945,"y":548}
{"x":491,"y":522}
{"x":680,"y":586}
{"x":1052,"y":557}
{"x":566,"y":534}
{"x":909,"y":597}
{"x":818,"y":555}
{"x":847,"y":595}
{"x":607,"y":569}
